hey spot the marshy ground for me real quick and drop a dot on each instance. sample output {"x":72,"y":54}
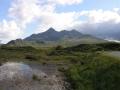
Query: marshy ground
{"x":84,"y":67}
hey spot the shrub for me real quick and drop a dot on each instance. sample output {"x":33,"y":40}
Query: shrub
{"x":31,"y":57}
{"x":59,"y":47}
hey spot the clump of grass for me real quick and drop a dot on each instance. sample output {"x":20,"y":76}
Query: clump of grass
{"x":31,"y":57}
{"x":36,"y":78}
{"x":61,"y":69}
{"x":44,"y":63}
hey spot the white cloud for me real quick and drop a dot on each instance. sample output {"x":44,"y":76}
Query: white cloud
{"x":27,"y":11}
{"x":66,"y":20}
{"x":9,"y":30}
{"x":102,"y":23}
{"x":116,"y":9}
{"x":64,"y":2}
{"x":98,"y":16}
{"x":21,"y":13}
{"x":24,"y":11}
{"x":59,"y":21}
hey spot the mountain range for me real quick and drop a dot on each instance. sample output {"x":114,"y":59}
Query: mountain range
{"x":53,"y":37}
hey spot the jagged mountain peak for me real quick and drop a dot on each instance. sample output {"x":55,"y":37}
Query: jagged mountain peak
{"x":50,"y":30}
{"x":52,"y":35}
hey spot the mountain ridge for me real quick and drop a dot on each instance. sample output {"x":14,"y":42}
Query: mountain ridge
{"x":53,"y":37}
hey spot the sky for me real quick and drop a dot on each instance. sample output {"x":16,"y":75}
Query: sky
{"x":21,"y":18}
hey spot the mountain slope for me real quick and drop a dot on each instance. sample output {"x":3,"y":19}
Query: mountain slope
{"x":52,"y":35}
{"x":18,"y":42}
{"x":70,"y":36}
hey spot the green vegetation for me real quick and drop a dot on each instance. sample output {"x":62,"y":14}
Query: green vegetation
{"x":111,"y":46}
{"x":89,"y":68}
{"x":97,"y":73}
{"x":22,"y":54}
{"x":85,"y":66}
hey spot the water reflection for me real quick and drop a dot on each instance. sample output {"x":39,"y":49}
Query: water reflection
{"x":13,"y":71}
{"x":19,"y":76}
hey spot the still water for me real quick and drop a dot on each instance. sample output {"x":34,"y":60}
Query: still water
{"x":19,"y":76}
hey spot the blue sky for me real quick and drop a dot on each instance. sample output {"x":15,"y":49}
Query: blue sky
{"x":91,"y":4}
{"x":20,"y":18}
{"x":4,"y":6}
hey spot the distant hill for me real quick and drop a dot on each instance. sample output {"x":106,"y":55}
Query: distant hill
{"x":21,"y":43}
{"x":18,"y":42}
{"x":52,"y":37}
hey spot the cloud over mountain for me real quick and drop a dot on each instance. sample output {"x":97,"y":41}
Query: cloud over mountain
{"x":105,"y":24}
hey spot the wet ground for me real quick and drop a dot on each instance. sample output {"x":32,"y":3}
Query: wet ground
{"x":114,"y":53}
{"x":19,"y":76}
